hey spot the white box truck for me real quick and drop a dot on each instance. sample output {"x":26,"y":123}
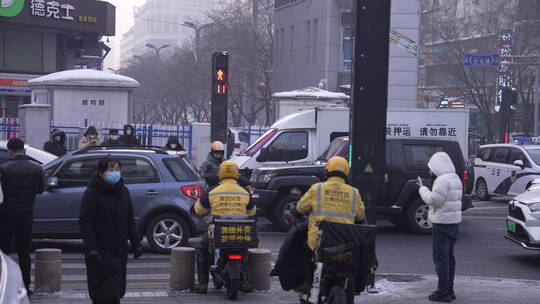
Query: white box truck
{"x":303,"y":136}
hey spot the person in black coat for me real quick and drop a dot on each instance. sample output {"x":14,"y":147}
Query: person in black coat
{"x":57,"y":144}
{"x":22,"y":180}
{"x":106,"y":223}
{"x":113,"y":140}
{"x":173,"y":144}
{"x":129,"y":138}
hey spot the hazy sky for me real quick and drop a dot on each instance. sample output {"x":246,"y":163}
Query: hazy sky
{"x":124,"y":21}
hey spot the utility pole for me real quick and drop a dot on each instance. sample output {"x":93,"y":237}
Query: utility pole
{"x":370,"y":100}
{"x":536,"y":98}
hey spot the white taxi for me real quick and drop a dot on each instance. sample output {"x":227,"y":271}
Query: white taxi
{"x":505,"y":169}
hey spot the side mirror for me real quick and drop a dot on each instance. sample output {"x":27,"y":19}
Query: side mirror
{"x":477,"y":161}
{"x":52,"y":183}
{"x":519,"y":163}
{"x":263,"y":155}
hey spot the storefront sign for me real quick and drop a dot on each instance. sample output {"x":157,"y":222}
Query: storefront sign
{"x":84,"y":15}
{"x":8,"y":85}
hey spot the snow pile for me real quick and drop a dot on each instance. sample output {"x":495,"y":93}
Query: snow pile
{"x":311,"y":92}
{"x":90,"y":78}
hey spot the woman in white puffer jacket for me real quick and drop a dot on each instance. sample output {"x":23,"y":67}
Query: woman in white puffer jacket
{"x":444,"y":200}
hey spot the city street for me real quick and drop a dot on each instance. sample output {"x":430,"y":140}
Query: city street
{"x":481,"y":252}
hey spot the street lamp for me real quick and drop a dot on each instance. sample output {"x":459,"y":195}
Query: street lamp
{"x":198,"y":30}
{"x":157,"y":49}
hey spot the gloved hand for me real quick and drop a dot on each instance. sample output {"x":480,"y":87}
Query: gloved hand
{"x":94,"y":256}
{"x":137,"y":252}
{"x":289,"y":218}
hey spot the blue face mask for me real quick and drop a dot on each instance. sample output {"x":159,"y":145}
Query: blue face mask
{"x":112,"y":177}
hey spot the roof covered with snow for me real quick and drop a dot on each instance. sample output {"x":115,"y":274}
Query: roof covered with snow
{"x":87,"y":78}
{"x":311,"y":92}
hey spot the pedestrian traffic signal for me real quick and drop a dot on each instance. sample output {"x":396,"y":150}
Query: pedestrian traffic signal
{"x":220,"y":96}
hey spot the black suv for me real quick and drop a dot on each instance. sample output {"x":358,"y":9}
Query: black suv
{"x":276,"y":189}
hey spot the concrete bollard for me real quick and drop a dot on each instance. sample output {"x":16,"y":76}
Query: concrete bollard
{"x":182,"y":268}
{"x":259,"y":267}
{"x":48,"y":271}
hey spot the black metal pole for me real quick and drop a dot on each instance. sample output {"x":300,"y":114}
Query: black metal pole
{"x":370,"y":100}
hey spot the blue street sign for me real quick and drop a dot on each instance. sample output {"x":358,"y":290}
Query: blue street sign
{"x":481,"y":60}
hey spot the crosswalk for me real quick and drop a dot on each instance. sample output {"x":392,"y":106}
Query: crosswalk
{"x":152,"y":271}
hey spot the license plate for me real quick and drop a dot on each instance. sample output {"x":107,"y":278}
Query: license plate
{"x":511,"y":227}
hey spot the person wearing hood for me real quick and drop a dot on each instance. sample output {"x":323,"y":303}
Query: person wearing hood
{"x":57,"y":144}
{"x":89,"y":139}
{"x":173,"y":144}
{"x":444,"y":201}
{"x":129,"y":138}
{"x":113,"y":140}
{"x":107,"y":224}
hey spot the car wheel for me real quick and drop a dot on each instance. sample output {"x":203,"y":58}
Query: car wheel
{"x":167,"y":231}
{"x":417,"y":217}
{"x":285,"y":204}
{"x":482,"y":190}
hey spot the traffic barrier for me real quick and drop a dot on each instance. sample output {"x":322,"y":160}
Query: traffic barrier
{"x":48,"y":271}
{"x":259,"y":267}
{"x":182,"y":268}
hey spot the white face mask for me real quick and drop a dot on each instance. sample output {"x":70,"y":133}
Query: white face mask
{"x":128,"y":132}
{"x":173,"y":146}
{"x":57,"y":138}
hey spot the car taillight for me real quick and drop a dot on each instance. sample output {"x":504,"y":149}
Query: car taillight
{"x":235,"y":257}
{"x":465,"y":177}
{"x":195,"y":191}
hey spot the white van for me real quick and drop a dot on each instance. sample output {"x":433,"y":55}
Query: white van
{"x":297,"y":138}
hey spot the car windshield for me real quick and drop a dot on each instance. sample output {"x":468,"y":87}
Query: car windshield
{"x":260,"y":142}
{"x":535,"y":155}
{"x":338,"y":147}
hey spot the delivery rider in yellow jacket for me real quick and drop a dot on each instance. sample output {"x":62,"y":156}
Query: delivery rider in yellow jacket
{"x":227,"y":198}
{"x":330,"y":201}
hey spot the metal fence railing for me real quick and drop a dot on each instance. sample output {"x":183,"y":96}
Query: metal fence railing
{"x":148,"y":134}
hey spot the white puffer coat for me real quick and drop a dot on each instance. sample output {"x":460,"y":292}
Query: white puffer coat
{"x":444,"y":199}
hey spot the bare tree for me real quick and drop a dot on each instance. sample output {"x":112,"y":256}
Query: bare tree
{"x":177,"y":89}
{"x":453,"y":33}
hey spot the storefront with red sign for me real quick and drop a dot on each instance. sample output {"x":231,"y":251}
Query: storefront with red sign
{"x":39,"y":37}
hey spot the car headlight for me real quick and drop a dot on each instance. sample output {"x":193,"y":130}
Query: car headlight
{"x":265,"y":178}
{"x":534,"y":207}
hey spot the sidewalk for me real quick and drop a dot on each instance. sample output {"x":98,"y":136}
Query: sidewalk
{"x":402,"y":289}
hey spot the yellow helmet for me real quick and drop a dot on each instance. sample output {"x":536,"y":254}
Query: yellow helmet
{"x":228,"y":169}
{"x":217,"y":146}
{"x":337,"y":164}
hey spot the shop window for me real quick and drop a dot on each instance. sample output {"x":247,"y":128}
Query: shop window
{"x":23,"y":44}
{"x":85,"y":102}
{"x":93,"y":102}
{"x":101,"y":102}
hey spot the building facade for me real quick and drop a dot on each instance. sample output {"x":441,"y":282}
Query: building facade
{"x":314,"y":47}
{"x":39,"y":37}
{"x":160,"y":22}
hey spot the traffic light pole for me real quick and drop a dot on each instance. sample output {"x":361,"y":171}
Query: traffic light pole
{"x":219,"y":108}
{"x":370,"y":100}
